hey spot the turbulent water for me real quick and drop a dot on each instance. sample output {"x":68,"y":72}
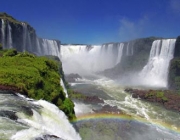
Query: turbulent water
{"x":155,"y":73}
{"x":154,"y":122}
{"x":85,"y":59}
{"x":148,"y":121}
{"x":25,"y":119}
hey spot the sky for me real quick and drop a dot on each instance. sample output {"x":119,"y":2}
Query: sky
{"x":97,"y":21}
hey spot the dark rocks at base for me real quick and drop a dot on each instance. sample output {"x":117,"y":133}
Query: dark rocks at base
{"x":27,"y":110}
{"x":8,"y":88}
{"x":49,"y":137}
{"x":108,"y":109}
{"x":8,"y":114}
{"x":93,"y":100}
{"x":169,"y":99}
{"x":12,"y":90}
{"x":72,"y":77}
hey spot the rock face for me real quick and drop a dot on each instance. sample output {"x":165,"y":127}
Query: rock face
{"x":20,"y":35}
{"x":174,"y":68}
{"x":72,"y":77}
{"x":168,"y":99}
{"x":174,"y":74}
{"x":177,"y":47}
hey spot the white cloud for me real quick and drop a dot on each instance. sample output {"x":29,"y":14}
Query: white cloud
{"x":132,"y":29}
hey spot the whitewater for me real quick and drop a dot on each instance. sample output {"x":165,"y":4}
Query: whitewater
{"x":26,"y":119}
{"x":158,"y":122}
{"x":22,"y":118}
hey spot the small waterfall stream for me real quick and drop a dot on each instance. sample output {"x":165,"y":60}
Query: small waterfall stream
{"x":9,"y":41}
{"x":3,"y":32}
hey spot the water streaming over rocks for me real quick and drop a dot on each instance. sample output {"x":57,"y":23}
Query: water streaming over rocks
{"x":25,"y":119}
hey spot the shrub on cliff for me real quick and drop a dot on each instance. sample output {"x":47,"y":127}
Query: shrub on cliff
{"x":1,"y":47}
{"x":174,"y":74}
{"x":36,"y":77}
{"x":10,"y":52}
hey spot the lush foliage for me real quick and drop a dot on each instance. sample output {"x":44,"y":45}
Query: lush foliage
{"x":8,"y":17}
{"x":36,"y":77}
{"x":157,"y":94}
{"x":174,"y":74}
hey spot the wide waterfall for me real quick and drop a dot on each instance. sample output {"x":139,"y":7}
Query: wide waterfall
{"x":155,"y":73}
{"x":85,"y":59}
{"x":25,"y":119}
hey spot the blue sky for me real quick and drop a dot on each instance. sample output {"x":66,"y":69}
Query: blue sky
{"x":97,"y":21}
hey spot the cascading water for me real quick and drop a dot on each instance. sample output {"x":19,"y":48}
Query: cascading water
{"x":79,"y":59}
{"x":129,"y":49}
{"x":64,"y":88}
{"x":27,"y":45}
{"x":25,"y":119}
{"x":24,"y":36}
{"x":50,"y":47}
{"x":9,"y":38}
{"x":3,"y":33}
{"x":120,"y":53}
{"x":155,"y":73}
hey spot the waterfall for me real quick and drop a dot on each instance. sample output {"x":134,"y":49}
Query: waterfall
{"x":64,"y":88}
{"x":50,"y":120}
{"x":50,"y":47}
{"x":79,"y":59}
{"x":3,"y":33}
{"x":129,"y":49}
{"x":24,"y":36}
{"x":120,"y":53}
{"x":26,"y":119}
{"x":9,"y":38}
{"x":155,"y":72}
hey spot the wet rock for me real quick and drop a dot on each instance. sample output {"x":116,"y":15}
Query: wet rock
{"x":72,"y":77}
{"x":93,"y":100}
{"x":27,"y":110}
{"x":169,"y":99}
{"x":8,"y":114}
{"x":49,"y":137}
{"x":109,"y":109}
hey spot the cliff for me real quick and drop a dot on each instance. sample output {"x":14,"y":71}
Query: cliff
{"x":20,"y":35}
{"x":35,"y":77}
{"x":174,"y":68}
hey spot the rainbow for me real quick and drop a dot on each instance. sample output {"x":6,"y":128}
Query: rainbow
{"x":124,"y":117}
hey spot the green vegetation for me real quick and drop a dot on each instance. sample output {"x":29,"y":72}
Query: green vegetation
{"x":174,"y":74}
{"x":36,"y":77}
{"x":1,"y":47}
{"x":157,"y":94}
{"x":75,"y":95}
{"x":5,"y":16}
